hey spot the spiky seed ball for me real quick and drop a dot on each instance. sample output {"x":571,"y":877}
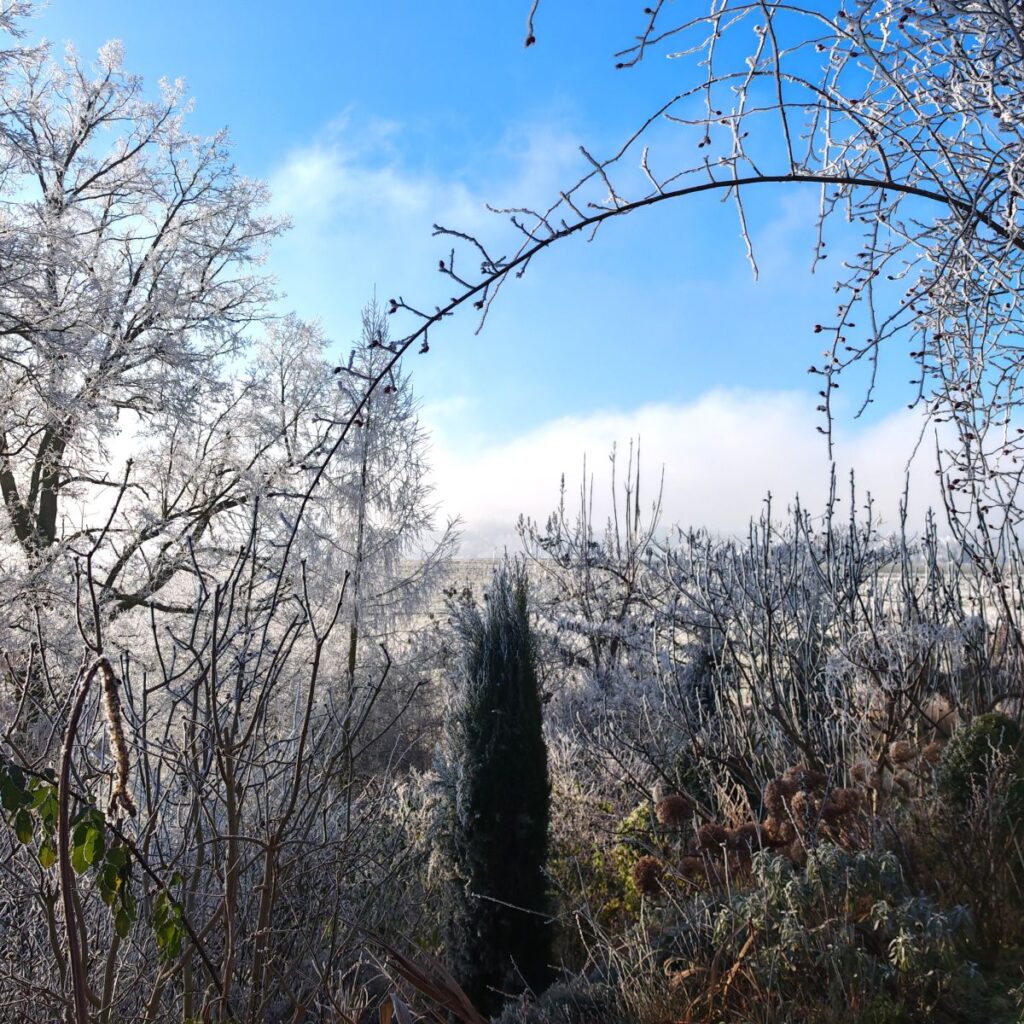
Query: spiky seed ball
{"x":787,"y":787}
{"x":804,"y":805}
{"x":674,"y":811}
{"x":848,"y":799}
{"x":774,"y":798}
{"x":771,"y":832}
{"x":712,"y":836}
{"x":746,"y":837}
{"x":802,"y":777}
{"x":901,"y":752}
{"x":692,"y":868}
{"x":647,"y":875}
{"x":831,"y":810}
{"x":859,"y":772}
{"x":931,"y":753}
{"x":797,"y":852}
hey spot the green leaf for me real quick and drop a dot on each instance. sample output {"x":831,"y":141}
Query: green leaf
{"x":117,"y":856}
{"x":122,"y":923}
{"x":109,"y":883}
{"x":78,"y":861}
{"x":13,"y":794}
{"x":167,"y":926}
{"x":87,"y":846}
{"x":23,"y":826}
{"x":47,"y":855}
{"x":44,"y":803}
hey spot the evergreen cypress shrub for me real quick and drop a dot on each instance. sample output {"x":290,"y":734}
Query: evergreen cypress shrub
{"x":499,"y":934}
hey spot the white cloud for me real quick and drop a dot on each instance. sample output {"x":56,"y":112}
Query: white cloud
{"x":721,"y":453}
{"x":363,"y":210}
{"x":363,"y":207}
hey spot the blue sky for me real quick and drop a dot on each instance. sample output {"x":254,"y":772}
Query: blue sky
{"x":373,"y":121}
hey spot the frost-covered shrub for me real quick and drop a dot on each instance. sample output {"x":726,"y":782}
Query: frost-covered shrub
{"x":576,"y":1002}
{"x":967,"y":845}
{"x":970,"y":757}
{"x":845,"y":939}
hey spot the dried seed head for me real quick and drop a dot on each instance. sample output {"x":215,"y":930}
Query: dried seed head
{"x":647,"y":875}
{"x":901,"y":752}
{"x":118,"y":745}
{"x":848,"y":799}
{"x":774,"y":798}
{"x":832,"y":810}
{"x":712,"y":836}
{"x":771,"y":832}
{"x":745,"y":838}
{"x":802,"y":777}
{"x":797,"y":853}
{"x":804,"y":805}
{"x":692,"y":868}
{"x":674,"y":811}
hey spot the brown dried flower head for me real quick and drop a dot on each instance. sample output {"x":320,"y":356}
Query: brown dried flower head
{"x":804,"y":805}
{"x":774,"y":798}
{"x":745,"y":838}
{"x":832,"y":810}
{"x":712,"y":836}
{"x":848,"y":799}
{"x":771,"y":832}
{"x":901,"y":752}
{"x":647,"y":875}
{"x":797,"y":852}
{"x":674,"y":811}
{"x":802,"y":777}
{"x":692,"y":868}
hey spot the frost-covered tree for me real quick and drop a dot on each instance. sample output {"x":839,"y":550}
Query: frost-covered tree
{"x":384,"y":522}
{"x":131,"y":251}
{"x":499,"y":933}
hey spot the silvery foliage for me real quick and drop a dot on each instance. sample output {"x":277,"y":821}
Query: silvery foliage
{"x":131,"y":275}
{"x":814,"y":638}
{"x":182,"y":490}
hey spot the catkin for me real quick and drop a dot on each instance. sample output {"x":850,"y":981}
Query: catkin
{"x":118,"y":744}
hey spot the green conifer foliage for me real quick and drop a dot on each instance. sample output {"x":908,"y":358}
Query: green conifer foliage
{"x":499,"y":931}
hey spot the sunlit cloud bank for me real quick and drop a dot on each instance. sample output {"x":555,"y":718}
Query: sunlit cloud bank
{"x":721,"y":455}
